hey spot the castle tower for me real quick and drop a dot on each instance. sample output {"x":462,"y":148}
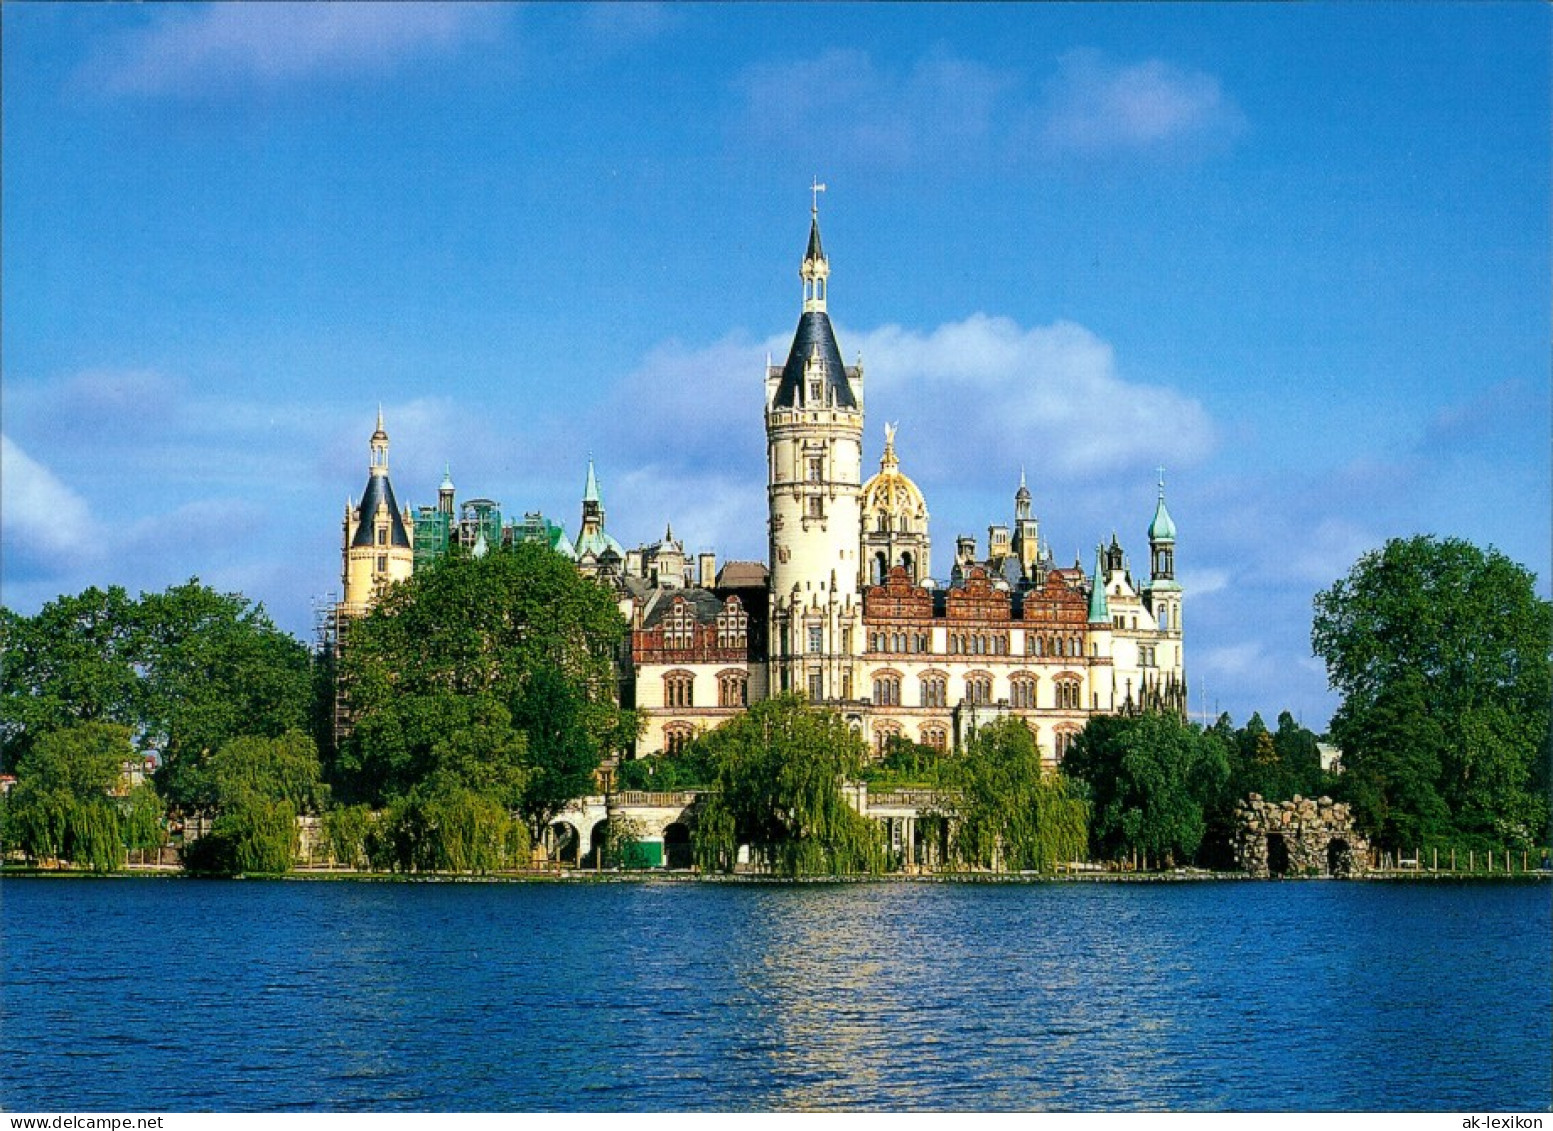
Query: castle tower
{"x":895,"y":521}
{"x":1027,"y":532}
{"x":1163,"y":591}
{"x":378,"y":549}
{"x":595,"y":546}
{"x":814,"y":446}
{"x":445,"y":492}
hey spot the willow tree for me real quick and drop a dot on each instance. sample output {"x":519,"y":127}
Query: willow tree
{"x":61,"y":807}
{"x":780,"y":769}
{"x":1010,"y":810}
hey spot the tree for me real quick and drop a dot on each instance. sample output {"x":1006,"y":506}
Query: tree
{"x":256,"y":787}
{"x":61,"y":806}
{"x":490,"y":674}
{"x":1441,"y":652}
{"x":184,"y":670}
{"x":780,"y":767}
{"x":1010,"y":809}
{"x":1152,"y":781}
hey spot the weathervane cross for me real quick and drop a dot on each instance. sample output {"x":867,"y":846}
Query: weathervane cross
{"x":816,"y":188}
{"x":1161,"y":470}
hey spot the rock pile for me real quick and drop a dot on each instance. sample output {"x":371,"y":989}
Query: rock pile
{"x":1302,"y":837}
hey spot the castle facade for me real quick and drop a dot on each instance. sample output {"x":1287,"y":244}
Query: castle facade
{"x":844,"y":611}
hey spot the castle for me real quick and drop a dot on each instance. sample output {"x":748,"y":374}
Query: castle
{"x":845,"y":612}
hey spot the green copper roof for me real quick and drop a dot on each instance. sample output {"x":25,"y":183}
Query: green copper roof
{"x":590,"y":492}
{"x":1162,"y":529}
{"x":1099,"y":611}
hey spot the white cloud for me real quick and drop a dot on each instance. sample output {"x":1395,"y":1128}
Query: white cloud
{"x":942,"y":111}
{"x":1049,"y":397}
{"x":1097,"y":105}
{"x":1201,"y":582}
{"x":843,"y":99}
{"x":227,"y":45}
{"x":46,"y":526}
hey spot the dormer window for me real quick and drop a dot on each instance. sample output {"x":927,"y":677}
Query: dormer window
{"x":814,"y":391}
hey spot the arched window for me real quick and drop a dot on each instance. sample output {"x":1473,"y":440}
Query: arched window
{"x":1068,"y":691}
{"x":1021,"y":692}
{"x":887,"y":690}
{"x":978,"y":688}
{"x":679,"y":689}
{"x":676,"y":736}
{"x":935,"y":690}
{"x":733,"y":689}
{"x":935,"y":736}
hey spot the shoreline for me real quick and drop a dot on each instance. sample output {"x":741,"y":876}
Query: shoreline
{"x":574,"y":876}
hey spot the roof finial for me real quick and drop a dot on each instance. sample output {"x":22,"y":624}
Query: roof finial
{"x":816,"y":188}
{"x":1161,"y":470}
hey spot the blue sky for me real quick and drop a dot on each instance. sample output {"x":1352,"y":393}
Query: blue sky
{"x":1297,"y":254}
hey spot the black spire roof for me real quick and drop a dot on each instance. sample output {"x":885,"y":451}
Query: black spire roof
{"x":814,"y":333}
{"x":815,"y":252}
{"x":380,"y":490}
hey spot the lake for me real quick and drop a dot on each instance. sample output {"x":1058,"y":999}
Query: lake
{"x":174,"y":995}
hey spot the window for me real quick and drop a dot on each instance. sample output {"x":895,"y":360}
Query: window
{"x":677,"y":736}
{"x":382,"y":536}
{"x":883,"y":736}
{"x":887,"y":690}
{"x":679,"y":627}
{"x":814,"y":391}
{"x":816,"y":686}
{"x":732,"y":625}
{"x":679,"y":689}
{"x":935,"y":691}
{"x":816,"y":467}
{"x":1021,"y":693}
{"x":935,"y":737}
{"x":1064,"y":743}
{"x":1146,"y":655}
{"x":978,"y":689}
{"x":1068,"y":695}
{"x":382,"y":563}
{"x":733,"y":689}
{"x":816,"y":638}
{"x":816,"y":507}
{"x":1035,"y":646}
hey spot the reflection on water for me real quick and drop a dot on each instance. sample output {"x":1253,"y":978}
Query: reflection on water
{"x":172,"y":995}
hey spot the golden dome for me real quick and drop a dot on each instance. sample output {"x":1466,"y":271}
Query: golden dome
{"x":890,"y":491}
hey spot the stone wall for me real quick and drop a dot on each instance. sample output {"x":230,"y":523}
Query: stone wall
{"x":1302,"y":837}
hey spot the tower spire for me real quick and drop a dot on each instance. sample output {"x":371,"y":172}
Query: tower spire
{"x":1099,"y":610}
{"x":816,"y":268}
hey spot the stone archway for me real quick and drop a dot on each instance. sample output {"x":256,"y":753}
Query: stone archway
{"x":1340,"y":860}
{"x":677,"y":852}
{"x":1277,"y":855}
{"x":598,"y":846}
{"x":563,"y":842}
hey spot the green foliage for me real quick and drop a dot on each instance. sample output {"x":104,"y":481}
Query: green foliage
{"x":258,"y":836}
{"x":141,"y":815}
{"x":904,"y":765}
{"x":60,"y":808}
{"x":185,"y":670}
{"x":1441,"y":652}
{"x":1152,"y":780}
{"x":350,"y":830}
{"x":1012,"y":811}
{"x":492,"y":674}
{"x":691,"y":768}
{"x":256,"y":786}
{"x":454,"y":830}
{"x":780,"y":768}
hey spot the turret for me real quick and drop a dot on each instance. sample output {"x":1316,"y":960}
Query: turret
{"x":814,"y":445}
